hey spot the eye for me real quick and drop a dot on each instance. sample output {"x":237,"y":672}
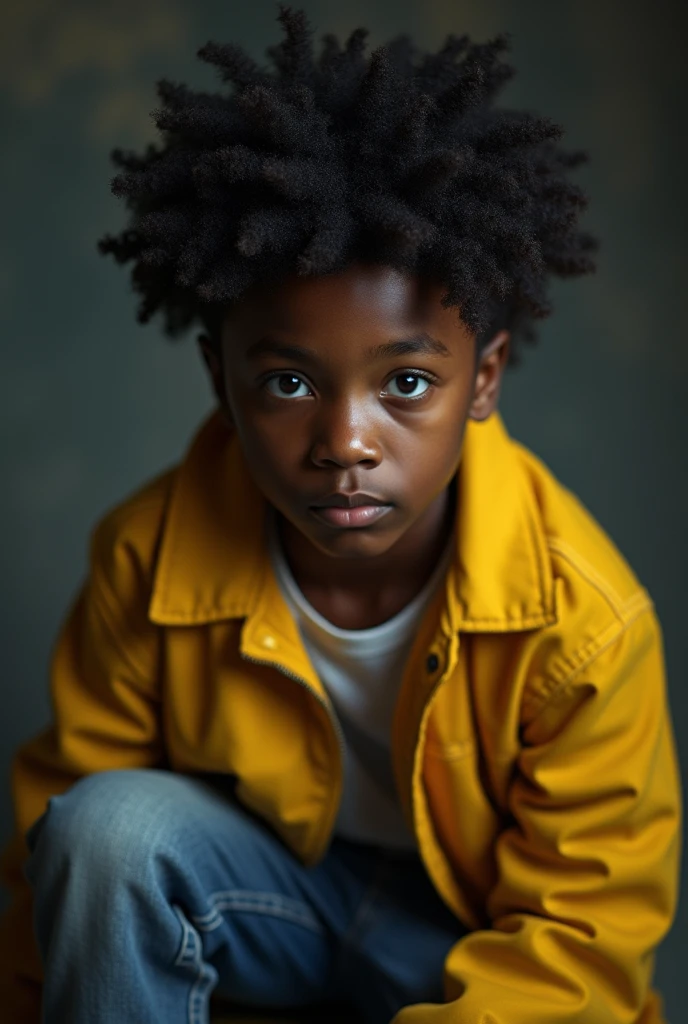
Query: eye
{"x":408,"y":385}
{"x":286,"y":385}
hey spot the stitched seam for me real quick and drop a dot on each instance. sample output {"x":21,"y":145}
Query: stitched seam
{"x":602,"y":646}
{"x":272,"y":904}
{"x":564,"y":667}
{"x":642,"y":599}
{"x":186,"y":953}
{"x":190,"y":955}
{"x":256,"y":908}
{"x":254,"y":894}
{"x":587,"y":571}
{"x":540,"y":568}
{"x":202,"y":615}
{"x":574,"y":558}
{"x":530,"y":622}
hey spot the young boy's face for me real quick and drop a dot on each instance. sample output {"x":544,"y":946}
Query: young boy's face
{"x":322,"y":405}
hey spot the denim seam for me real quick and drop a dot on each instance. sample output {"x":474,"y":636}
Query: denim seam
{"x":269,"y":903}
{"x":191,"y":955}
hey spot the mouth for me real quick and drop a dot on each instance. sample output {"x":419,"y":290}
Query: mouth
{"x":347,"y":517}
{"x":344,"y":499}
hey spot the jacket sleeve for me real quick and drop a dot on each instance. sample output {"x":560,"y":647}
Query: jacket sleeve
{"x":587,"y":868}
{"x":105,"y":705}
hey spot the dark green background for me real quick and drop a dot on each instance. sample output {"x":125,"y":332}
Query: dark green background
{"x":92,"y":404}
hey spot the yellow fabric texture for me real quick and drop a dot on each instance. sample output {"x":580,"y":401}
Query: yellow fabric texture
{"x":535,"y":762}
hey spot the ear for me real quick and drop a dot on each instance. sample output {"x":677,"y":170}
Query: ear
{"x":213,"y":364}
{"x":492,"y":361}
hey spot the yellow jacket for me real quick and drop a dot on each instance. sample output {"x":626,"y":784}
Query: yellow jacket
{"x":534,"y":754}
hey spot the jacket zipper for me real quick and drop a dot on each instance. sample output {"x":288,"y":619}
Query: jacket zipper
{"x":336,"y":728}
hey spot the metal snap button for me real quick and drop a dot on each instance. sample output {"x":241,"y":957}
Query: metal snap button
{"x":268,"y":641}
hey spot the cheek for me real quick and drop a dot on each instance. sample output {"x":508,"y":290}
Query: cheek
{"x":267,"y":472}
{"x":428,"y":473}
{"x":271,"y":455}
{"x":433,"y":441}
{"x":275,"y":443}
{"x":258,"y":433}
{"x":432,"y":457}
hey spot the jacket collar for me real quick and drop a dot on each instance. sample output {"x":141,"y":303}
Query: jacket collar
{"x":213,"y":557}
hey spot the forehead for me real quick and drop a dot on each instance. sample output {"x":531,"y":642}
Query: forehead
{"x":364,"y":298}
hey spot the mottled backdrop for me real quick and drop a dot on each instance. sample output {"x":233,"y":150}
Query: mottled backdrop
{"x":92,"y":404}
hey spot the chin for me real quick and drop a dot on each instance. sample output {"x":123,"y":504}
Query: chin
{"x":363,"y":543}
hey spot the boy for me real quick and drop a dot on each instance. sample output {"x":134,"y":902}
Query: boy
{"x":358,"y":702}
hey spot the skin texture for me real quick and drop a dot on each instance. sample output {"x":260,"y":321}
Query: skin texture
{"x":354,"y":423}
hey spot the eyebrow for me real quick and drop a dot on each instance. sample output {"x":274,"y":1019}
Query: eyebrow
{"x":417,"y":344}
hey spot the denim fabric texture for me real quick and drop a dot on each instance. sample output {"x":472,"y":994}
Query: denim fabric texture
{"x":154,"y":889}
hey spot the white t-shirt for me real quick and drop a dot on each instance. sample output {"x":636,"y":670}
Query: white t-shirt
{"x":361,"y":671}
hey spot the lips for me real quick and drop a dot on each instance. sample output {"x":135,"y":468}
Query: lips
{"x":342,"y":500}
{"x":348,"y":517}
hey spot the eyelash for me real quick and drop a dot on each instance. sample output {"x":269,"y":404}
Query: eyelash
{"x":429,"y":377}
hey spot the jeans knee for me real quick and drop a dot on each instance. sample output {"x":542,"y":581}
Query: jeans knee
{"x":112,"y":821}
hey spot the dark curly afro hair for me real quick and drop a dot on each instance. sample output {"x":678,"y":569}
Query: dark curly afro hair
{"x":397,"y":159}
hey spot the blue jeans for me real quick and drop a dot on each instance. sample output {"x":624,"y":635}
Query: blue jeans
{"x":153,"y":889}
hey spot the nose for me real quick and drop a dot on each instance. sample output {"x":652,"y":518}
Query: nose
{"x":345,"y":434}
